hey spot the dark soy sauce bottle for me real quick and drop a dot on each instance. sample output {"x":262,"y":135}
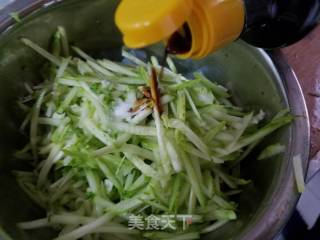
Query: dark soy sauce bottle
{"x":205,"y":26}
{"x":278,"y":23}
{"x":268,"y":24}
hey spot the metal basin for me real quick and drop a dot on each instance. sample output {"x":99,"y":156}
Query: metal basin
{"x":255,"y":79}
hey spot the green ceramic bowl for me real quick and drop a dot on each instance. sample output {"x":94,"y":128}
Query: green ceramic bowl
{"x":256,"y":80}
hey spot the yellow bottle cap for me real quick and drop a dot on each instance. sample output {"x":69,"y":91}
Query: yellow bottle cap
{"x":214,"y":24}
{"x":145,"y":22}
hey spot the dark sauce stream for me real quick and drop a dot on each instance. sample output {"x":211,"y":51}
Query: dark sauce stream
{"x":179,"y":42}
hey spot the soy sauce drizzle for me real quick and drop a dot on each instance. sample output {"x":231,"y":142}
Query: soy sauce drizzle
{"x":155,"y":92}
{"x":178,"y":43}
{"x":162,"y":64}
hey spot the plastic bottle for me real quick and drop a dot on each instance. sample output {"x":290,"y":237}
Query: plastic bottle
{"x":195,"y":28}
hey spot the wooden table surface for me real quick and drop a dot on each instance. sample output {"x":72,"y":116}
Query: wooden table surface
{"x":304,"y":58}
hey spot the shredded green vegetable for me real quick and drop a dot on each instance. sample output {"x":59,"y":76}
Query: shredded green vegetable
{"x":298,"y":173}
{"x":107,"y":160}
{"x":271,"y":151}
{"x":15,"y":16}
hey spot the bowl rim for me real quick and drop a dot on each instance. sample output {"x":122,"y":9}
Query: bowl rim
{"x":285,"y":197}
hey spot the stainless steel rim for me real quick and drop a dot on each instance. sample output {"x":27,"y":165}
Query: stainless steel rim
{"x":285,"y":197}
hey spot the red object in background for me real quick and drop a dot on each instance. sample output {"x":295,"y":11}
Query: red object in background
{"x":304,"y":58}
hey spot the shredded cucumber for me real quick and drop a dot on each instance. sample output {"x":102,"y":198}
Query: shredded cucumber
{"x":271,"y":151}
{"x":105,"y":153}
{"x":299,"y":173}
